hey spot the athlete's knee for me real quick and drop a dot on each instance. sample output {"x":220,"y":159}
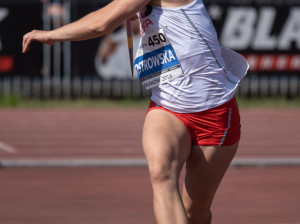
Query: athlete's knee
{"x":198,"y":211}
{"x":161,"y":175}
{"x":200,"y":217}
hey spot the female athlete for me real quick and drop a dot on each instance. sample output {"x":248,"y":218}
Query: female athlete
{"x":193,"y":117}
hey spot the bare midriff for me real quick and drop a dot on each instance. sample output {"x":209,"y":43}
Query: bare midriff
{"x":170,"y":3}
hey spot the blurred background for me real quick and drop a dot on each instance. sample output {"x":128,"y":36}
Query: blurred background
{"x":267,"y":33}
{"x":76,"y":162}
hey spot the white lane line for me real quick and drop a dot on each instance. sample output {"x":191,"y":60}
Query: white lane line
{"x":239,"y":162}
{"x":262,"y":162}
{"x":7,"y":148}
{"x":72,"y":162}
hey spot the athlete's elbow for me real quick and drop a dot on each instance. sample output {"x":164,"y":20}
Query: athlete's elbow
{"x":97,"y":29}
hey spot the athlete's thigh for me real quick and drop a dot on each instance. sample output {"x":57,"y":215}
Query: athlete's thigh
{"x":205,"y":169}
{"x":165,"y":139}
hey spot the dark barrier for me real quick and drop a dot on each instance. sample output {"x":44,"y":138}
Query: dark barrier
{"x":16,"y":18}
{"x":20,"y":16}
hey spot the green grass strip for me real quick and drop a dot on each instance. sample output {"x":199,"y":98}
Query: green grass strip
{"x":104,"y":103}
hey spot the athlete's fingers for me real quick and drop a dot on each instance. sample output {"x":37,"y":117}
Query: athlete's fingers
{"x":23,"y":43}
{"x":26,"y":43}
{"x":35,"y":35}
{"x":27,"y":39}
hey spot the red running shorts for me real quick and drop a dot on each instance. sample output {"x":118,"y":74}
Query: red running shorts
{"x":218,"y":126}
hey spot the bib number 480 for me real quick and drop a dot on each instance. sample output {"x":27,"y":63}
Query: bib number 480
{"x":156,"y":39}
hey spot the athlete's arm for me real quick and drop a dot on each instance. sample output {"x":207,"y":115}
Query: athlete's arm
{"x":93,"y":25}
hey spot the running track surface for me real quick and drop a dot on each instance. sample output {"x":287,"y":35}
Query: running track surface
{"x":112,"y":195}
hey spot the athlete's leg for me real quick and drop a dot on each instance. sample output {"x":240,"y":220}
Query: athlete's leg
{"x":204,"y":171}
{"x":167,"y":145}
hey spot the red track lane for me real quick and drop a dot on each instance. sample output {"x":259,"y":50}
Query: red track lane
{"x":116,"y":134}
{"x":123,"y":195}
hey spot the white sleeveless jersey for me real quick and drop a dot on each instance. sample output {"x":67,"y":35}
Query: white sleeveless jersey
{"x":210,"y":74}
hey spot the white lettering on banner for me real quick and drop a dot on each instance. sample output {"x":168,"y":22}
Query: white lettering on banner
{"x":244,"y":27}
{"x":291,"y":31}
{"x":273,"y":62}
{"x":282,"y":62}
{"x":267,"y":62}
{"x":295,"y":63}
{"x":263,"y":39}
{"x":3,"y":14}
{"x":253,"y":62}
{"x":238,"y":27}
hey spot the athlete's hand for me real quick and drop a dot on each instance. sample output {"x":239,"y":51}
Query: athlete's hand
{"x":35,"y":35}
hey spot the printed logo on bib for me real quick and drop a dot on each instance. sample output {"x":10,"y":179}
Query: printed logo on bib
{"x":156,"y":62}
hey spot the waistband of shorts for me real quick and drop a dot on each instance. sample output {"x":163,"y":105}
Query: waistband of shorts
{"x":232,"y":101}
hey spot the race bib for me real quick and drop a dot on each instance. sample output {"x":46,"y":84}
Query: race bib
{"x":156,"y":62}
